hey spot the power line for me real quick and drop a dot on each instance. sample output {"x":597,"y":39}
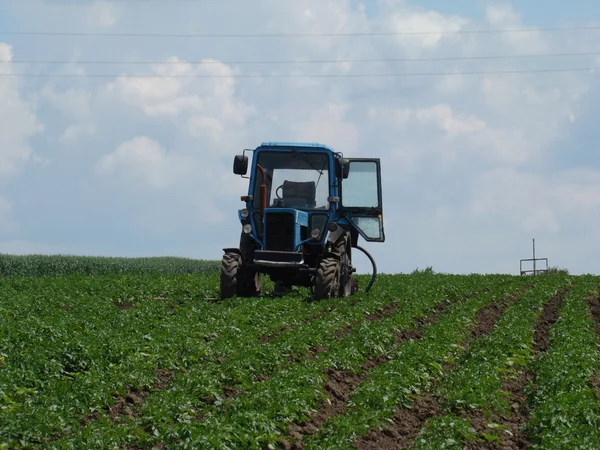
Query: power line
{"x":321,"y":61}
{"x":281,"y":35}
{"x":259,"y":76}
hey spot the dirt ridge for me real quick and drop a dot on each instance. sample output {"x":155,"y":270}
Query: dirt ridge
{"x":340,"y":384}
{"x":407,"y":422}
{"x":515,"y":438}
{"x":593,"y":302}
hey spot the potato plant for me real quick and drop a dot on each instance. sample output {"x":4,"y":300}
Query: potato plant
{"x":156,"y":360}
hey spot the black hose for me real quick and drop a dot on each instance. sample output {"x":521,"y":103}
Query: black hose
{"x":374,"y":276}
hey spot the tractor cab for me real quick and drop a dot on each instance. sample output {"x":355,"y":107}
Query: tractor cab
{"x":305,"y":204}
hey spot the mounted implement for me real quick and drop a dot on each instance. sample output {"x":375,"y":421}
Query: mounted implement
{"x":305,"y":210}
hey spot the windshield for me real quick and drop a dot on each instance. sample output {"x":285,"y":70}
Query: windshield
{"x":294,"y":180}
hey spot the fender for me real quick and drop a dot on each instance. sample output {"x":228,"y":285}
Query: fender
{"x":332,"y":237}
{"x":234,"y":250}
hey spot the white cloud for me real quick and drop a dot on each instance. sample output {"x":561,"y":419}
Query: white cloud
{"x":140,"y":161}
{"x":452,"y":124}
{"x":102,"y":14}
{"x":207,"y":107}
{"x":408,"y":20}
{"x":441,"y":115}
{"x":74,"y":101}
{"x":533,"y":203}
{"x":75,"y":132}
{"x":327,"y":125}
{"x":458,"y":150}
{"x":504,"y":16}
{"x":18,"y":119}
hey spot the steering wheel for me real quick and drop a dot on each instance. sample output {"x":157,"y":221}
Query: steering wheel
{"x":277,"y":191}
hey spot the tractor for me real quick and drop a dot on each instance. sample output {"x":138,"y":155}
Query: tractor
{"x":305,"y":210}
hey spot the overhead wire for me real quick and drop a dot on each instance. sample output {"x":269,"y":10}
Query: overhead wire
{"x":315,"y":61}
{"x":292,"y":35}
{"x":261,"y":76}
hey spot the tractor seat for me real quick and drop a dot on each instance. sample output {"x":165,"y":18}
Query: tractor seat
{"x":299,"y":194}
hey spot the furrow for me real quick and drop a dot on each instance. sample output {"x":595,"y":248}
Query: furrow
{"x":564,"y":409}
{"x":483,"y":397}
{"x":512,"y":420}
{"x":261,"y":377}
{"x":406,"y":422}
{"x":410,"y":368}
{"x":594,"y":307}
{"x":340,"y":384}
{"x":266,"y":409}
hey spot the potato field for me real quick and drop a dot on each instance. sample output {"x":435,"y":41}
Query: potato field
{"x":423,"y":361}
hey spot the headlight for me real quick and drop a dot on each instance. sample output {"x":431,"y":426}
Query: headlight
{"x":315,"y":234}
{"x":247,"y":228}
{"x":244,"y":213}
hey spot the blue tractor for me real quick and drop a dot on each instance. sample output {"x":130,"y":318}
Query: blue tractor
{"x":305,"y":210}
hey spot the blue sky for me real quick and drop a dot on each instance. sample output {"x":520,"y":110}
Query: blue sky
{"x":475,"y":166}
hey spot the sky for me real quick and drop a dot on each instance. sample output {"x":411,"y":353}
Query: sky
{"x":94,"y":161}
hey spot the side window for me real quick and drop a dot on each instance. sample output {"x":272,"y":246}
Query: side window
{"x":361,"y":188}
{"x":361,"y":197}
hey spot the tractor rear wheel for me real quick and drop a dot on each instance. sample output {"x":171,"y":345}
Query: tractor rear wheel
{"x":230,"y":268}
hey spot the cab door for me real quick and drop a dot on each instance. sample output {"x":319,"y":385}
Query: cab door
{"x":361,"y":198}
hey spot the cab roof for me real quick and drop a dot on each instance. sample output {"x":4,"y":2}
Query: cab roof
{"x":296,"y":144}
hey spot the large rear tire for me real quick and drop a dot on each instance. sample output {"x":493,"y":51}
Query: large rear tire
{"x":230,"y":268}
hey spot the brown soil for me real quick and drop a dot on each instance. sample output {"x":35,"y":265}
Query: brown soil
{"x":407,"y":422}
{"x":128,"y":405}
{"x":594,"y":305}
{"x":406,"y":425}
{"x":163,"y":379}
{"x":122,"y":304}
{"x":385,"y":312}
{"x":340,"y":384}
{"x":125,"y":406}
{"x":518,"y":414}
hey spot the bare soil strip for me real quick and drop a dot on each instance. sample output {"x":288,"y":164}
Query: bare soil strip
{"x":594,"y":305}
{"x":128,"y":405}
{"x":340,"y":384}
{"x":407,"y":422}
{"x":519,"y":411}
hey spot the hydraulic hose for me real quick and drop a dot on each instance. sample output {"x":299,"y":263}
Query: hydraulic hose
{"x":374,"y":275}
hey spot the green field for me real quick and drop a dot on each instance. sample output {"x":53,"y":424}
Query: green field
{"x":146,"y":360}
{"x":52,"y":265}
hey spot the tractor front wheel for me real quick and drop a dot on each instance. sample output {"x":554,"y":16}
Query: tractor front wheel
{"x":249,"y":281}
{"x":327,"y":280}
{"x":230,"y":268}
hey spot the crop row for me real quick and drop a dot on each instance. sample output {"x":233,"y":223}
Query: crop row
{"x":478,"y":381}
{"x":565,"y":409}
{"x":260,"y":410}
{"x":412,"y":368}
{"x":59,"y":265}
{"x":75,"y":342}
{"x":142,"y":361}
